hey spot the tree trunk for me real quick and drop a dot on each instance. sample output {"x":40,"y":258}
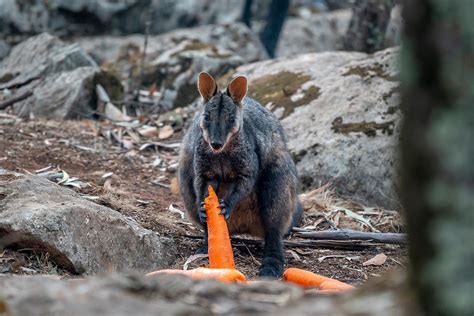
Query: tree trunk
{"x":368,"y":25}
{"x":247,"y":13}
{"x":274,"y":24}
{"x":437,"y":152}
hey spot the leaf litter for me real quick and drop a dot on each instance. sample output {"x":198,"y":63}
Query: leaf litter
{"x":153,"y":159}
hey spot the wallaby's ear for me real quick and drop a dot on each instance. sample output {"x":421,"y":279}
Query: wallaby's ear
{"x":237,"y":88}
{"x":207,"y":86}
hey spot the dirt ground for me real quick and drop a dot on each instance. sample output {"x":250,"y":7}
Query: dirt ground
{"x":112,"y":170}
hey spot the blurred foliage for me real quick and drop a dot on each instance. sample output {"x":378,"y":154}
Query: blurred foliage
{"x":438,"y":146}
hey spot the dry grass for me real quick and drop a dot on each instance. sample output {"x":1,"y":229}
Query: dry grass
{"x":324,"y":209}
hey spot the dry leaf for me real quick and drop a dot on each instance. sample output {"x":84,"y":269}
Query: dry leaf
{"x":321,"y":259}
{"x":165,"y":132}
{"x":150,"y":131}
{"x":106,"y":175}
{"x":157,"y":162}
{"x":174,"y":209}
{"x":90,"y":125}
{"x":193,"y":258}
{"x":114,"y":114}
{"x":43,"y":169}
{"x":108,"y":185}
{"x":127,"y":143}
{"x":174,"y":185}
{"x":294,"y":255}
{"x":152,"y":89}
{"x":378,"y":260}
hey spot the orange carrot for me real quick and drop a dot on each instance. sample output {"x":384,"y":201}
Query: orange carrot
{"x":309,"y":279}
{"x":223,"y":275}
{"x":219,"y":246}
{"x":335,"y":285}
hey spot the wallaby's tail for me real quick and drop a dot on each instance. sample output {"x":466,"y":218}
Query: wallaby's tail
{"x":296,"y":216}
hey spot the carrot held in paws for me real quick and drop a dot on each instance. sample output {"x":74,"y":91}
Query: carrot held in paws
{"x":309,"y":279}
{"x":224,"y":275}
{"x":219,"y":246}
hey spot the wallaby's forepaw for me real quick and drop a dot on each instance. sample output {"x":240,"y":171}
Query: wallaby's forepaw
{"x":202,"y":213}
{"x":271,"y":269}
{"x":225,"y":209}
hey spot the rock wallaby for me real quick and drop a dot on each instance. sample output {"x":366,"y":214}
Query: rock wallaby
{"x":239,"y":147}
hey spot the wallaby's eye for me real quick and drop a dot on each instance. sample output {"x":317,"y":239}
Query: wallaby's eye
{"x":232,"y":120}
{"x":206,"y":117}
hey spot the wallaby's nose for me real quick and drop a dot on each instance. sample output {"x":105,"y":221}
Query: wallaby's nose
{"x":216,"y":145}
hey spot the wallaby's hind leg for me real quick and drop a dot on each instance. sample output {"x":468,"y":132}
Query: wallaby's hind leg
{"x":273,"y":256}
{"x":277,"y":201}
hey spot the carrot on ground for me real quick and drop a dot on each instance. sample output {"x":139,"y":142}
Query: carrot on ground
{"x":224,"y":275}
{"x":219,"y":246}
{"x":309,"y":279}
{"x":335,"y":285}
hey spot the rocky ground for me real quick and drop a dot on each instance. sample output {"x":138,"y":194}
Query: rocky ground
{"x":90,"y":129}
{"x":140,"y":185}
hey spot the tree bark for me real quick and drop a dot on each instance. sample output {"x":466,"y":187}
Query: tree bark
{"x":368,"y":25}
{"x":437,"y":151}
{"x":271,"y":32}
{"x":346,"y":234}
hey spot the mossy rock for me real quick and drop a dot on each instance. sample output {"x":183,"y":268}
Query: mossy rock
{"x":370,"y":71}
{"x":7,"y":77}
{"x":368,"y":128}
{"x":279,"y":89}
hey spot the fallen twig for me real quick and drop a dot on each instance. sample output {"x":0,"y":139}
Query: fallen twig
{"x":162,"y":145}
{"x":13,"y":100}
{"x":330,"y":244}
{"x":161,"y":184}
{"x":142,"y":65}
{"x":386,"y":238}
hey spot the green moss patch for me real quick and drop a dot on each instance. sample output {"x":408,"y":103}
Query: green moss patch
{"x":371,"y":71}
{"x":279,"y":88}
{"x":196,"y":45}
{"x":7,"y":77}
{"x":368,"y":128}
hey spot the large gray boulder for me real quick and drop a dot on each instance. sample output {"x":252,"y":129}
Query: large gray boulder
{"x":173,"y":59}
{"x":316,"y":33}
{"x":62,"y":95}
{"x":40,"y":56}
{"x":81,"y":17}
{"x":341,"y":113}
{"x":54,"y":79}
{"x":80,"y":236}
{"x":325,"y":31}
{"x":4,"y":49}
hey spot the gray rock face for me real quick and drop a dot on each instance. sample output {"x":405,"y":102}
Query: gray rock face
{"x":62,"y":95}
{"x":341,"y":113}
{"x":174,"y":59}
{"x":316,"y":33}
{"x":80,"y":236}
{"x":4,"y":49}
{"x":39,"y":56}
{"x":178,"y":295}
{"x":235,"y":37}
{"x":64,"y":17}
{"x":56,"y":78}
{"x":325,"y":31}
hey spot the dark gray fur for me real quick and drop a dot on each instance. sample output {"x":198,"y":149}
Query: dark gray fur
{"x":254,"y":173}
